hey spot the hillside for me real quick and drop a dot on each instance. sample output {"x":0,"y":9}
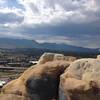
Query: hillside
{"x":23,"y":43}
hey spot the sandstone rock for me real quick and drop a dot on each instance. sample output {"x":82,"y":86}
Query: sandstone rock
{"x":46,"y":57}
{"x":13,"y":97}
{"x":98,"y":57}
{"x":39,"y":82}
{"x":70,"y":58}
{"x":16,"y":86}
{"x":81,"y":81}
{"x":59,"y":57}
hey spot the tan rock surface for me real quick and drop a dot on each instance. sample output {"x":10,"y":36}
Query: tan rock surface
{"x":98,"y":57}
{"x":81,"y":81}
{"x":13,"y":97}
{"x":59,"y":57}
{"x":46,"y":57}
{"x":40,"y":82}
{"x":70,"y":58}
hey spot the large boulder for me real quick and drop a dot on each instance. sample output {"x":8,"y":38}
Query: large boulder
{"x":39,"y":82}
{"x":81,"y":81}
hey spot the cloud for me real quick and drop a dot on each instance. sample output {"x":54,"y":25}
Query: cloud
{"x":75,"y":22}
{"x":10,"y":18}
{"x":57,"y":11}
{"x":54,"y":11}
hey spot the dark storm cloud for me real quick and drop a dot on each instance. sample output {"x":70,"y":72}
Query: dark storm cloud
{"x":63,"y":29}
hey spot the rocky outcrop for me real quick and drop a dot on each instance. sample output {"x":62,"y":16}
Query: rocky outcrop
{"x":81,"y":81}
{"x":74,"y":79}
{"x":46,"y":57}
{"x":39,"y":82}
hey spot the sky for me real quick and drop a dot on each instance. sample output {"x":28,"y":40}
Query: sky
{"x":73,"y":22}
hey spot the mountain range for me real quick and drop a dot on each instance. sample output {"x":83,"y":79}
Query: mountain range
{"x":8,"y":43}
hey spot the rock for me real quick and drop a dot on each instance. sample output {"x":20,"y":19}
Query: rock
{"x":70,"y":58}
{"x":13,"y":97}
{"x":59,"y":57}
{"x":81,"y":81}
{"x":46,"y":57}
{"x":40,"y":82}
{"x":98,"y":57}
{"x":16,"y":86}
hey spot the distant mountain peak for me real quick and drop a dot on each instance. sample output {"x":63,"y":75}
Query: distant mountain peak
{"x":24,"y":43}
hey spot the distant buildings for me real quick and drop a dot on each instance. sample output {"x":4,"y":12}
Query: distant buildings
{"x":16,"y":59}
{"x":2,"y":62}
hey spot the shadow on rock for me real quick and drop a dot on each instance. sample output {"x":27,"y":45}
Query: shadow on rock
{"x":44,"y":88}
